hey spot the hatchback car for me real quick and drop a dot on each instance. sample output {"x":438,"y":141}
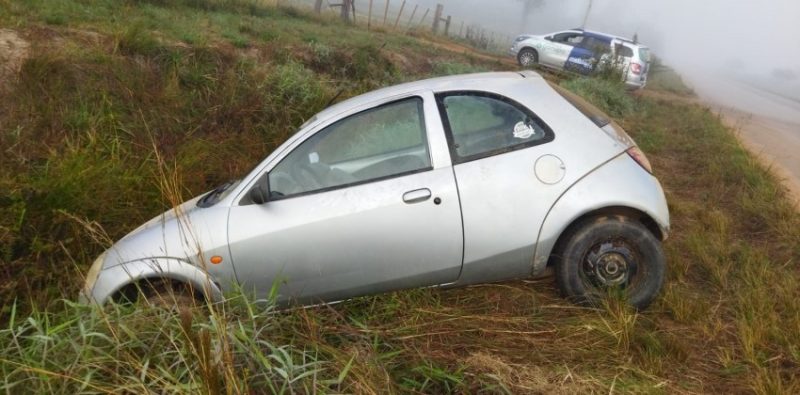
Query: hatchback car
{"x":443,"y":182}
{"x":583,"y":51}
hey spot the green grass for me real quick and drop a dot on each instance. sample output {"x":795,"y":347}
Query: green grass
{"x":107,"y":129}
{"x":86,"y":114}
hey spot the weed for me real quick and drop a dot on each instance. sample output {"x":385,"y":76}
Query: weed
{"x":136,"y":40}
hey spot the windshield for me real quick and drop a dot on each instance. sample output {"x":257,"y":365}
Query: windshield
{"x":217,"y":194}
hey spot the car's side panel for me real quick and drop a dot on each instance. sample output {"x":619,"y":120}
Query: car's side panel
{"x":347,"y":242}
{"x":553,"y":54}
{"x":503,"y":205}
{"x":619,"y":183}
{"x":584,"y":57}
{"x":374,"y":237}
{"x":504,"y":202}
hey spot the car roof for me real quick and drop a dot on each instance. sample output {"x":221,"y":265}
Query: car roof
{"x":433,"y":84}
{"x":608,"y":37}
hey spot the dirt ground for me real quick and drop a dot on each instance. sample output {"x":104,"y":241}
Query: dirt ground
{"x":464,"y":49}
{"x":13,"y":52}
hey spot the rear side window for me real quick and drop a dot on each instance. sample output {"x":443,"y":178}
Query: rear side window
{"x":625,"y":52}
{"x":481,"y":124}
{"x":644,"y":54}
{"x":599,"y":47}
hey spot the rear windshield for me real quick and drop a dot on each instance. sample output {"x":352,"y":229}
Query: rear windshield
{"x":644,"y":54}
{"x":593,"y":113}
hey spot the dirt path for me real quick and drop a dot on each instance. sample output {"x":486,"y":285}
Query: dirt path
{"x":467,"y":50}
{"x":13,"y":51}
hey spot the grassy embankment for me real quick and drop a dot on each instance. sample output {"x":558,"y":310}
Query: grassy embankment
{"x":196,"y":92}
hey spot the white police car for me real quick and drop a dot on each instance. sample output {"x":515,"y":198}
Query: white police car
{"x":581,"y":51}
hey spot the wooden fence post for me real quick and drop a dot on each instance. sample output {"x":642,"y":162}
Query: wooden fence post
{"x":402,"y":6}
{"x":346,"y":10}
{"x":412,"y":15}
{"x":437,"y":17}
{"x":447,"y":25}
{"x":385,"y":12}
{"x":369,"y":16}
{"x":423,"y":16}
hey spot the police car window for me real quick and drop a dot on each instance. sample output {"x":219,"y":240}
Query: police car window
{"x":568,"y":38}
{"x":575,"y":40}
{"x":595,"y":45}
{"x":625,"y":52}
{"x":482,"y":124}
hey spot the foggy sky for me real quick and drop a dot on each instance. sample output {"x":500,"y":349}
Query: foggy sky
{"x":749,"y":36}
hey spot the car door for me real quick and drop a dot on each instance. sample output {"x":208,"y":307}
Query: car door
{"x":557,"y":48}
{"x":496,"y":145}
{"x":363,"y":205}
{"x":585,"y":56}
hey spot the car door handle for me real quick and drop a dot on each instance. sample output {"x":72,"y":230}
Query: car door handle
{"x":417,"y":195}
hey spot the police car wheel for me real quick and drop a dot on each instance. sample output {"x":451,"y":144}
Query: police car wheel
{"x":527,"y":57}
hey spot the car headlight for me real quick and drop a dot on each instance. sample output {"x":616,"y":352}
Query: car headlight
{"x":521,"y":38}
{"x":94,"y":272}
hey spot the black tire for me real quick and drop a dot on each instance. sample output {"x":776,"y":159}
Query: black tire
{"x":527,"y":57}
{"x":610,"y":253}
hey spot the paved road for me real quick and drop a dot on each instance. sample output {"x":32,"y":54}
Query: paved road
{"x":768,"y":123}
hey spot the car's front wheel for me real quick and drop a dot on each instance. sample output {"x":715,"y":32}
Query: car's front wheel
{"x":609,"y":254}
{"x":527,"y":57}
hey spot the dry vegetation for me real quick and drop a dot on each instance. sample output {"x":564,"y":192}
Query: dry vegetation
{"x":214,"y":85}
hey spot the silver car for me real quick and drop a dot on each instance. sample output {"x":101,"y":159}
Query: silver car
{"x":582,"y":51}
{"x":443,"y":182}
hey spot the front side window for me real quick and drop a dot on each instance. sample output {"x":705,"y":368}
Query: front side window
{"x":482,"y":124}
{"x":379,"y":143}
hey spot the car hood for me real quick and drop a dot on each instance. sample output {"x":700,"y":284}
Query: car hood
{"x":182,"y":233}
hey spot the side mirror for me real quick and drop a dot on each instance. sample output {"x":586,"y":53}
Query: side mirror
{"x":260,"y":193}
{"x":549,"y":38}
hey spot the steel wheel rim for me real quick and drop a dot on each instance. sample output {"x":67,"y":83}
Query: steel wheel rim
{"x":612,"y":264}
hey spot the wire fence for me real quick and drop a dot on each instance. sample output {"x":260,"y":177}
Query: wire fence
{"x":406,"y":16}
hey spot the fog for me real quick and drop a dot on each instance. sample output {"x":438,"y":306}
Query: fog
{"x":758,"y":41}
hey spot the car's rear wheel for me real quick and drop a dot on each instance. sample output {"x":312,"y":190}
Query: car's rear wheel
{"x":611,"y":254}
{"x":527,"y":57}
